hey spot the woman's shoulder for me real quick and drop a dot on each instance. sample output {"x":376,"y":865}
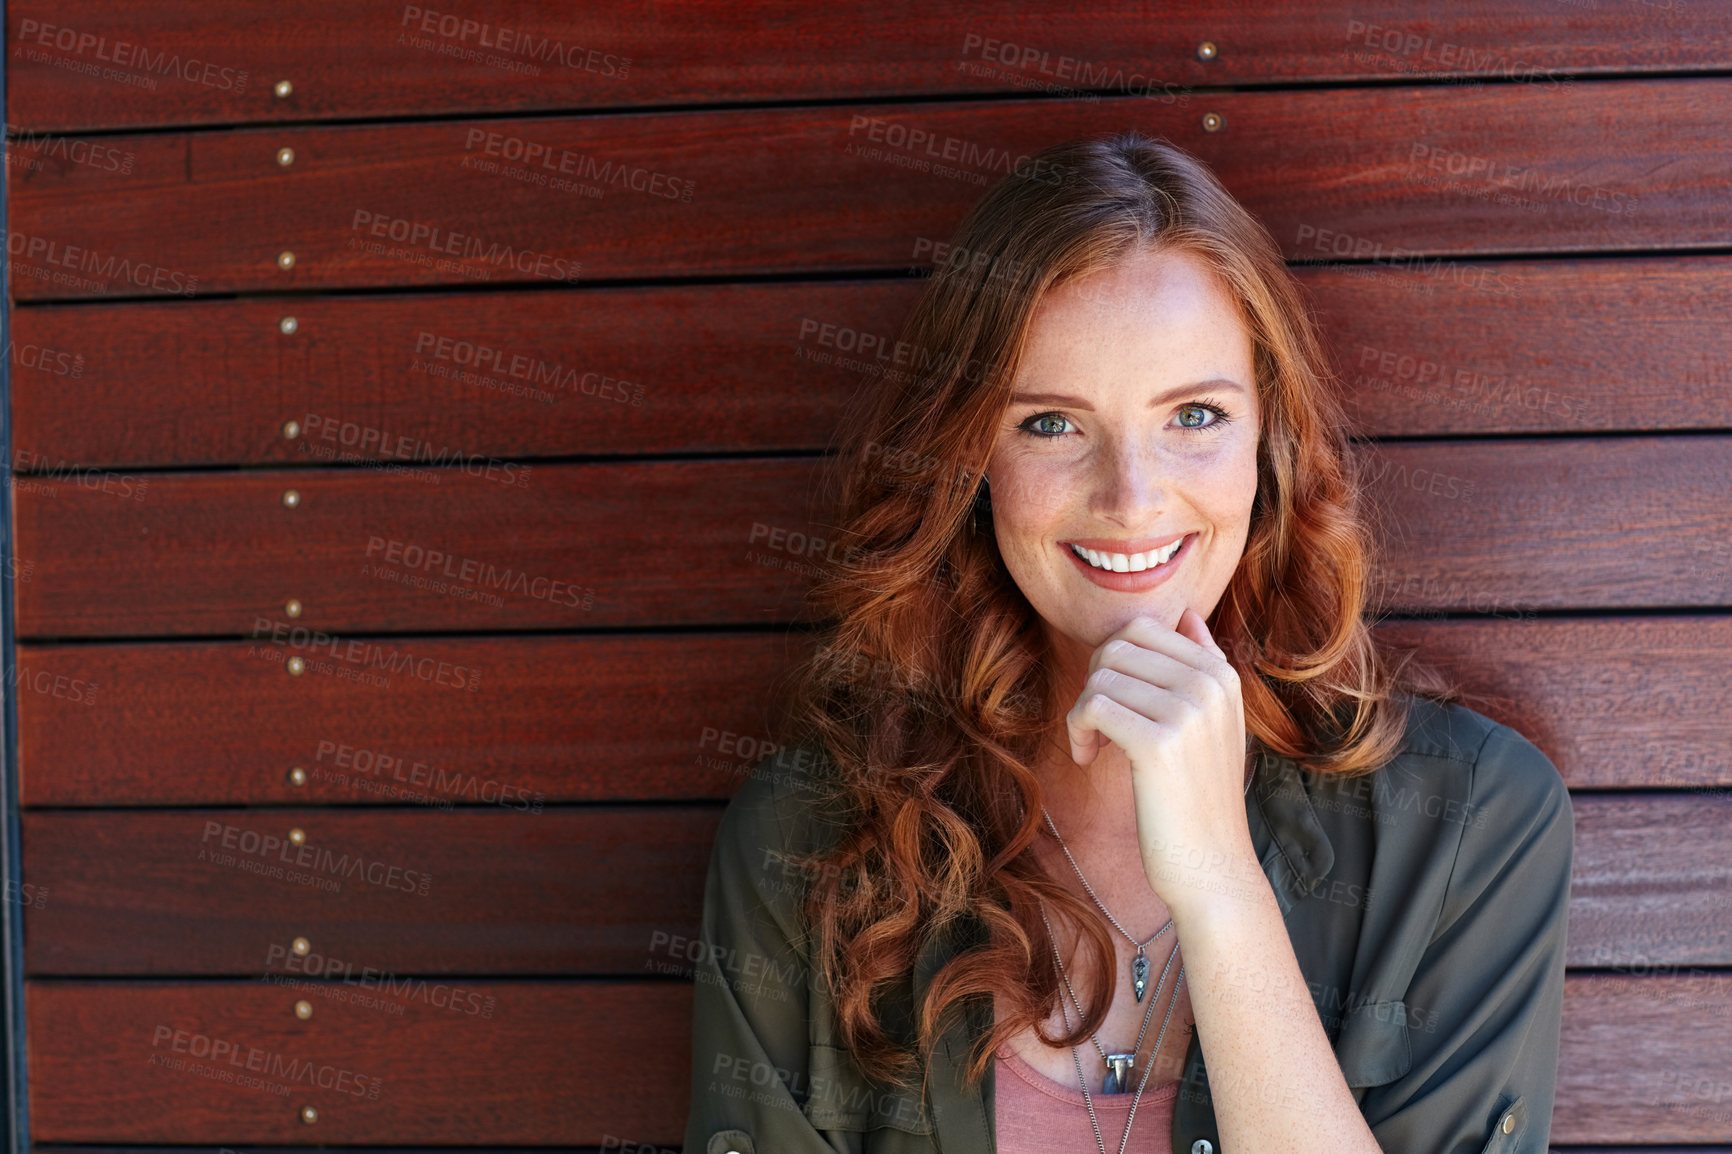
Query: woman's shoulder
{"x":783,"y":809}
{"x":1510,"y":788}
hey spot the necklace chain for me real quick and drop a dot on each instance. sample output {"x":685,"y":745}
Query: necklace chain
{"x":1172,"y":1003}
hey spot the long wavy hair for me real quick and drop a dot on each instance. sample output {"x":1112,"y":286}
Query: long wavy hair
{"x":928,"y":695}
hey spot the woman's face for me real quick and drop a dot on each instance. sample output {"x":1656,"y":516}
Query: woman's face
{"x":1132,"y":430}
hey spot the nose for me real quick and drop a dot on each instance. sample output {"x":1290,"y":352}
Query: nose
{"x":1130,"y":486}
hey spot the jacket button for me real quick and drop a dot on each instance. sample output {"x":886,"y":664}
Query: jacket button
{"x":1202,"y":1146}
{"x":1509,"y":1122}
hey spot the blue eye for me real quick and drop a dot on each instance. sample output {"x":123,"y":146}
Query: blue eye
{"x":1047,"y":435}
{"x":1192,"y":416}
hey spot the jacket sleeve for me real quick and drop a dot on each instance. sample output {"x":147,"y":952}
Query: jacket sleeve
{"x":750,"y":1038}
{"x":1484,"y":1007}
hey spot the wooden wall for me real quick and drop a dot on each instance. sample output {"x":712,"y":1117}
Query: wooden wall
{"x":414,"y":410}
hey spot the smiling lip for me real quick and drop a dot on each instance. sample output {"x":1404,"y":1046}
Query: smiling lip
{"x":1140,"y":545}
{"x":1129,"y":582}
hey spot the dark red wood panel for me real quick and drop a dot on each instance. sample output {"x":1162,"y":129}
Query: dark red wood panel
{"x":578,"y":546}
{"x":1421,"y":347}
{"x":684,"y":717}
{"x":507,"y":889}
{"x":1614,"y":702}
{"x":549,"y":1065}
{"x":1504,"y":527}
{"x":510,"y":890}
{"x":545,"y":1069}
{"x":556,"y":718}
{"x":436,"y":378}
{"x":1485,"y":526}
{"x":1429,"y":347}
{"x":89,"y":63}
{"x":1365,"y":173}
{"x":1643,"y":1059}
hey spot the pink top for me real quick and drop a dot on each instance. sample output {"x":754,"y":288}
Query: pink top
{"x":1036,"y":1115}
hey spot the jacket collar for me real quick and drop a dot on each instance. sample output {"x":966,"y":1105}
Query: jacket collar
{"x":1295,"y":854}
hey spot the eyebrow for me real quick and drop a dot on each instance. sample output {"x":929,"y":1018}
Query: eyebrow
{"x":1154,"y":402}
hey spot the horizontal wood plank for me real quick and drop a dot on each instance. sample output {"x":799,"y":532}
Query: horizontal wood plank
{"x":685,"y":716}
{"x":467,"y":378}
{"x":104,"y":63}
{"x":1614,"y":702}
{"x":1364,"y":173}
{"x":1516,"y":346}
{"x":1477,"y":526}
{"x":555,"y":719}
{"x":507,"y":891}
{"x":607,"y":891}
{"x":544,"y":1068}
{"x":538,"y":1063}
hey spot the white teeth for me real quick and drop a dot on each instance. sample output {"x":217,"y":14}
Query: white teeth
{"x":1128,"y":563}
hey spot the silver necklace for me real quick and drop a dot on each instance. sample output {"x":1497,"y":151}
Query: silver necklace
{"x":1088,"y":1100}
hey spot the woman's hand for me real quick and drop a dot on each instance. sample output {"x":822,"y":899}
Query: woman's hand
{"x":1170,"y":700}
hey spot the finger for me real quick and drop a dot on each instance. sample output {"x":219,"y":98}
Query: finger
{"x":1100,"y":717}
{"x":1152,"y":635}
{"x":1192,"y":625}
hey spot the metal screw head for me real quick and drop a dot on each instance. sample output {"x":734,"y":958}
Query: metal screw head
{"x":288,"y":325}
{"x":292,"y":498}
{"x":1212,"y":122}
{"x":298,"y":776}
{"x":291,"y":430}
{"x":285,"y":156}
{"x":296,"y":666}
{"x":293,"y":608}
{"x":300,"y":946}
{"x":309,"y":1115}
{"x":1207,"y":50}
{"x":283,"y":88}
{"x":297,"y":836}
{"x":285,"y":260}
{"x":303,"y":1010}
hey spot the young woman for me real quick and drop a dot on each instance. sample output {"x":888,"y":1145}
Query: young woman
{"x":1098,"y":773}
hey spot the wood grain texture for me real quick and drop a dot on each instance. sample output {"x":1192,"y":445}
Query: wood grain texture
{"x":559,"y":718}
{"x":445,"y":379}
{"x":1421,"y":347}
{"x":1614,"y":702}
{"x":1364,"y":173}
{"x":1483,"y":526}
{"x":607,"y":890}
{"x":1430,"y":348}
{"x":385,"y":59}
{"x":545,"y":1068}
{"x":500,"y":890}
{"x":573,"y":546}
{"x":686,"y":716}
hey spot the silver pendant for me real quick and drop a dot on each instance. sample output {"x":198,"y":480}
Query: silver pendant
{"x":1119,"y":1073}
{"x":1139,"y":974}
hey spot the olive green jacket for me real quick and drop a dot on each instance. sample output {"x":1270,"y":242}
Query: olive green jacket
{"x":1426,"y":904}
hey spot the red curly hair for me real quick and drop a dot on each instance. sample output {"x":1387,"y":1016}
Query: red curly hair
{"x":929,"y":693}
